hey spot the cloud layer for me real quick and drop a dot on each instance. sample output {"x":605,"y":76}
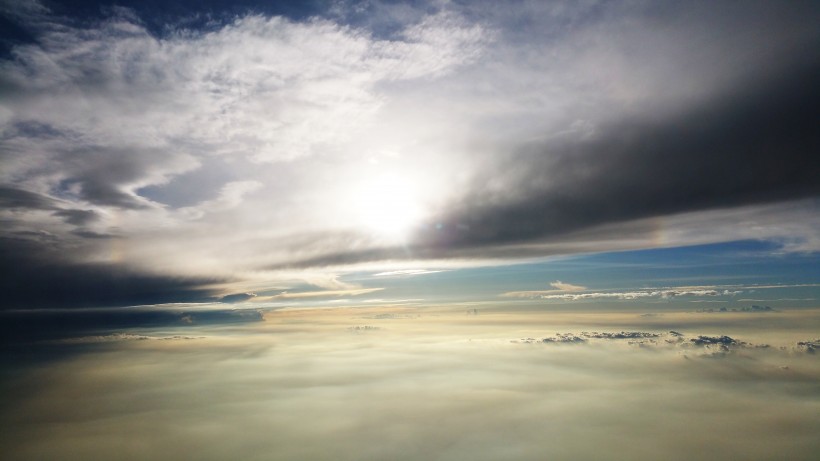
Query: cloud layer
{"x":251,"y":146}
{"x":359,"y":384}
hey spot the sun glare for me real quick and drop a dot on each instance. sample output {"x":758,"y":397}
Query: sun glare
{"x":389,"y":206}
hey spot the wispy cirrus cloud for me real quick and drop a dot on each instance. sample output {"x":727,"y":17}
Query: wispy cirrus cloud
{"x":320,"y":294}
{"x":406,"y":272}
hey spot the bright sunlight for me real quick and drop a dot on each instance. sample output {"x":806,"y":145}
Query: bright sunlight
{"x":388,"y":206}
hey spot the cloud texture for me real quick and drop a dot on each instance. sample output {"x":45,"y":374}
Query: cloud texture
{"x":363,"y":384}
{"x":251,"y":146}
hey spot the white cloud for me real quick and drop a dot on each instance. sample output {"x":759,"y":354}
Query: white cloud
{"x":229,"y":197}
{"x":319,"y":294}
{"x":262,"y":87}
{"x":101,"y":112}
{"x":558,"y":287}
{"x":273,"y":389}
{"x":405,"y":272}
{"x":571,"y":294}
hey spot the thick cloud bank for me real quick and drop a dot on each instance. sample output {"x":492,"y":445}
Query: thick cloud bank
{"x":381,"y":384}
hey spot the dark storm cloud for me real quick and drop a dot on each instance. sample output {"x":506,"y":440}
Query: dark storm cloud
{"x":23,"y":327}
{"x":87,"y":234}
{"x":77,"y":217}
{"x":757,"y":145}
{"x":18,"y":199}
{"x":102,"y":175}
{"x":14,"y":198}
{"x":236,"y":297}
{"x":34,"y":277}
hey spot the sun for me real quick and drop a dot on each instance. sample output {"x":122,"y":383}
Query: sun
{"x":388,"y":206}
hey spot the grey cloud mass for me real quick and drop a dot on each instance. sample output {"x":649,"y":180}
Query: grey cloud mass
{"x":757,"y":145}
{"x":39,"y":276}
{"x":12,"y":198}
{"x":77,"y":217}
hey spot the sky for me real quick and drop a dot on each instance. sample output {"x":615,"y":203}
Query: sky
{"x":247,"y":183}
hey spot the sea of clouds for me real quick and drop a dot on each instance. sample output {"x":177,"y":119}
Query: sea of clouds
{"x":387,"y":383}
